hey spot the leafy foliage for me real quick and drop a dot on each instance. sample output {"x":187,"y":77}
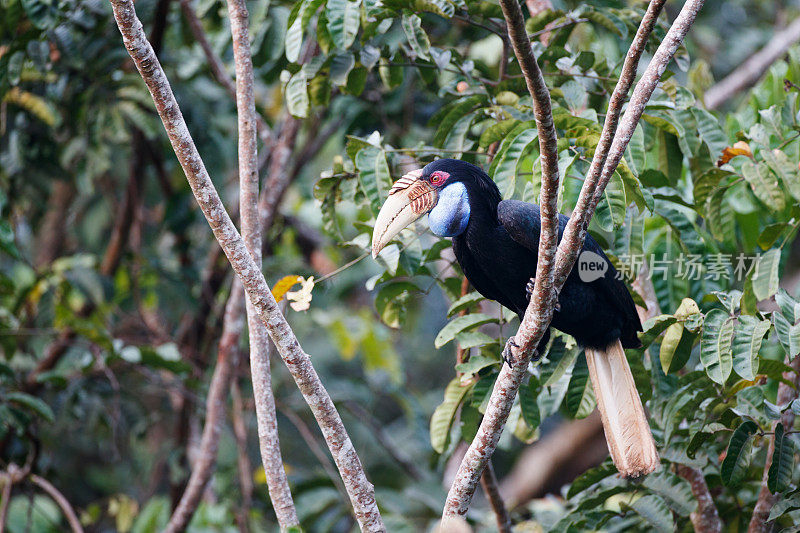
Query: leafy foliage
{"x":698,"y":197}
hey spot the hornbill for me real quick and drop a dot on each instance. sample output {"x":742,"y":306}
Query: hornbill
{"x":496,"y":243}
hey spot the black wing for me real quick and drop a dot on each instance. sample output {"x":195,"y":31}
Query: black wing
{"x":522,"y":221}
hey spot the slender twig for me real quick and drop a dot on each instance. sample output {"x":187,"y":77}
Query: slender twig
{"x":360,"y":490}
{"x":277,"y":483}
{"x":204,"y":464}
{"x":748,"y":73}
{"x":215,"y":63}
{"x":489,"y":485}
{"x":584,"y":209}
{"x":540,"y":309}
{"x":384,"y":440}
{"x":319,"y":452}
{"x":252,"y":225}
{"x":66,"y":508}
{"x":558,"y":26}
{"x":537,"y":317}
{"x":243,"y":460}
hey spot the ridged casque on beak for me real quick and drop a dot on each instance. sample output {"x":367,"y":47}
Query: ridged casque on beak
{"x":409,"y":199}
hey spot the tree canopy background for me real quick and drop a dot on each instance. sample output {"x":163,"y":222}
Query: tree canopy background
{"x":112,"y":288}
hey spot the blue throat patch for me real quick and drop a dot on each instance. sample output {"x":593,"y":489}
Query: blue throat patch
{"x":451,"y":214}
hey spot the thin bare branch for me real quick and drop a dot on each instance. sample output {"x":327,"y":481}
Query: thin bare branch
{"x":243,"y":460}
{"x":749,"y":72}
{"x":360,"y":490}
{"x":489,"y":485}
{"x":204,"y":464}
{"x":539,"y":313}
{"x":584,"y":209}
{"x":277,"y":483}
{"x":215,"y":63}
{"x":66,"y":508}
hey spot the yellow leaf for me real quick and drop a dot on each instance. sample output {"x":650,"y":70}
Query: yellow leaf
{"x":283,"y":286}
{"x":740,"y":148}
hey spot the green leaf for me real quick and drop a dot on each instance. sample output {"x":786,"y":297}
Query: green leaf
{"x":42,"y":13}
{"x":442,"y":419}
{"x":453,"y":114}
{"x":784,"y":505}
{"x":580,"y":394}
{"x":653,"y":327}
{"x":294,"y":34}
{"x":473,"y":339}
{"x":343,"y":20}
{"x":715,"y":345}
{"x":475,"y":364}
{"x":786,"y":170}
{"x":459,"y":324}
{"x":780,"y":471}
{"x":505,"y":173}
{"x":373,"y":176}
{"x":496,"y":132}
{"x":465,"y":302}
{"x":457,"y":140}
{"x":719,"y":216}
{"x":416,"y":36}
{"x":297,"y":100}
{"x":341,"y":65}
{"x":706,"y":183}
{"x":669,"y":343}
{"x":529,"y":406}
{"x":710,"y":131}
{"x":590,"y":477}
{"x":655,"y":511}
{"x":765,"y":275}
{"x":391,"y":300}
{"x":737,"y":458}
{"x":788,"y":334}
{"x":676,"y":491}
{"x":749,"y":333}
{"x":32,"y":403}
{"x":688,"y":238}
{"x":391,"y":75}
{"x":769,"y":235}
{"x":764,"y":185}
{"x":611,"y":209}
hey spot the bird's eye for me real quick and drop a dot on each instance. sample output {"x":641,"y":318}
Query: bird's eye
{"x":439,"y":177}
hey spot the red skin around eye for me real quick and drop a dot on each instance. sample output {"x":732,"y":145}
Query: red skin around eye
{"x":439,"y":177}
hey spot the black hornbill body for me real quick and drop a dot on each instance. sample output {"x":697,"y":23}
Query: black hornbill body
{"x":496,"y":243}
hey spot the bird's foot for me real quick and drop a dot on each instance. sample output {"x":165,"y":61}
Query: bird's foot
{"x":529,"y":293}
{"x":508,"y":357}
{"x":529,"y":288}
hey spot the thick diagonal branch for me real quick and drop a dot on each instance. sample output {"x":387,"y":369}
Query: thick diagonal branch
{"x":539,"y":313}
{"x":540,"y":310}
{"x":360,"y":490}
{"x":592,"y":189}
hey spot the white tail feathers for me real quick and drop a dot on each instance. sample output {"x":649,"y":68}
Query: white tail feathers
{"x":624,"y":422}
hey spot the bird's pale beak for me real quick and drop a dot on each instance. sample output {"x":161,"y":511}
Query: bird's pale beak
{"x":409,"y":199}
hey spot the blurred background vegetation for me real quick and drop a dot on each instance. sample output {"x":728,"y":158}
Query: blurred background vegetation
{"x":112,"y":287}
